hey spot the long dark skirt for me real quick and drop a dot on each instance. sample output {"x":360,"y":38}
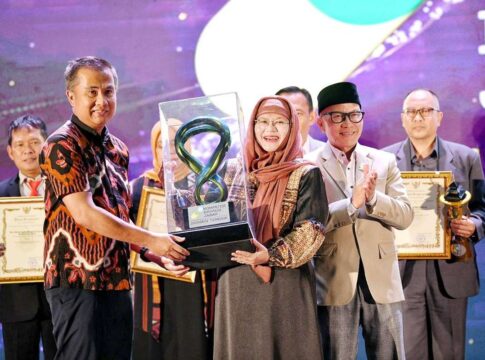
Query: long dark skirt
{"x":183,"y":330}
{"x":266,"y":321}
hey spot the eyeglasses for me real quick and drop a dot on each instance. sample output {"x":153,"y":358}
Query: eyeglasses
{"x":338,"y":117}
{"x":278,"y":124}
{"x":424,"y":112}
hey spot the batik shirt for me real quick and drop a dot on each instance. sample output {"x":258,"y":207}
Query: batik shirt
{"x":75,"y":159}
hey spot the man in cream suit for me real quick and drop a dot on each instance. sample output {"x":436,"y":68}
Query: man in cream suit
{"x":358,"y":282}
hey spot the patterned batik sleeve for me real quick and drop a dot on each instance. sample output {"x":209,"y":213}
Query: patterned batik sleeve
{"x":307,"y":232}
{"x":62,"y":164}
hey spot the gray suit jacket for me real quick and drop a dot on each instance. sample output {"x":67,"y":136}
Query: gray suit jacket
{"x":366,"y":237}
{"x":460,"y":279}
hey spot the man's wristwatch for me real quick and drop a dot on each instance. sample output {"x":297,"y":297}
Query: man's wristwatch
{"x":143,"y":251}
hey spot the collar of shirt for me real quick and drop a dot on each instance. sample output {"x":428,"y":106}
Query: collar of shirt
{"x":429,"y":161}
{"x":24,"y":187}
{"x":340,"y":155}
{"x":348,"y":167}
{"x":434,"y":153}
{"x":90,"y":133}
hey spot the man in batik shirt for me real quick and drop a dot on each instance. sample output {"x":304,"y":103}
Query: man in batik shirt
{"x":87,"y":224}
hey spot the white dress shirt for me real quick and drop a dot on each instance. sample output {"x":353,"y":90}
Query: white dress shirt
{"x":25,"y":188}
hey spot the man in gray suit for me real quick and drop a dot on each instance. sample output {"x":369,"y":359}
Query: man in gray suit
{"x":437,"y":291}
{"x":357,"y":272}
{"x":302,"y":102}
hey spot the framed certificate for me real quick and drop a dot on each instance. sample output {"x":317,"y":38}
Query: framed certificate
{"x":152,"y":215}
{"x":21,"y":231}
{"x":428,"y":236}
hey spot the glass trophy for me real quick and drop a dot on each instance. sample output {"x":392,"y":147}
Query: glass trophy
{"x":204,"y":177}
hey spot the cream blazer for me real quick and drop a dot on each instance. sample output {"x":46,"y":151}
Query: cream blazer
{"x":367,"y":237}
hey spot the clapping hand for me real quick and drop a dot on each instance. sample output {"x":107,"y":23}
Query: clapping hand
{"x":364,"y":190}
{"x":370,"y":182}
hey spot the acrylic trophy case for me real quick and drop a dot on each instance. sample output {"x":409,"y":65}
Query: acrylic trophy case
{"x":205,"y":181}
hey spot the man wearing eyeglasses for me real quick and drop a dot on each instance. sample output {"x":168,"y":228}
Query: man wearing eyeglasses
{"x":437,"y":291}
{"x":357,"y":272}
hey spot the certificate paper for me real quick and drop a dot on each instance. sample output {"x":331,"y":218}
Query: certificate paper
{"x":152,"y":215}
{"x":21,"y":231}
{"x":428,"y":236}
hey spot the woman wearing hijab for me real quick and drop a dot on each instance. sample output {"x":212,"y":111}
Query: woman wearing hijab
{"x":266,"y":309}
{"x":169,"y":321}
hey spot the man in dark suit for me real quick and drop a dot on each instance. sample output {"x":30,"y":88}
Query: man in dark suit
{"x":437,"y":291}
{"x":24,"y":311}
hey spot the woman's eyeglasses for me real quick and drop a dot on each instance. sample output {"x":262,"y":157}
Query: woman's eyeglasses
{"x":278,"y":124}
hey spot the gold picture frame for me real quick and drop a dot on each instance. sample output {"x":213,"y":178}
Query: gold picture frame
{"x":21,"y":231}
{"x":429,"y":235}
{"x":152,"y":216}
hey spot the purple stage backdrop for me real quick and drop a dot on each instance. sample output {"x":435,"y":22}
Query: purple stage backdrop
{"x":440,"y":47}
{"x":437,"y":44}
{"x":151,"y":48}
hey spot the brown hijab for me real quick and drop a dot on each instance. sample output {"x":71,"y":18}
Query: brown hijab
{"x":272,"y":169}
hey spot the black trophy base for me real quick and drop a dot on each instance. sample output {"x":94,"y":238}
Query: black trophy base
{"x":212,"y":247}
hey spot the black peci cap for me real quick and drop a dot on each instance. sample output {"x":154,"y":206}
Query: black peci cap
{"x":338,"y":93}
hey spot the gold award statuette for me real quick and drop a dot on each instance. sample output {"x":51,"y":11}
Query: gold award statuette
{"x":456,"y":198}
